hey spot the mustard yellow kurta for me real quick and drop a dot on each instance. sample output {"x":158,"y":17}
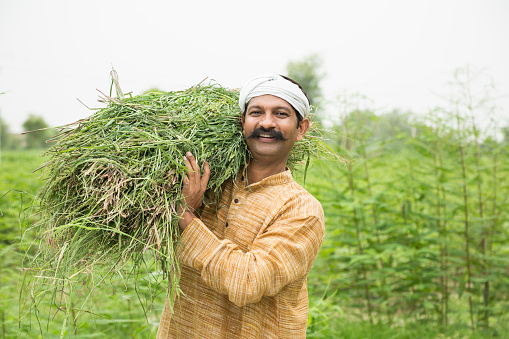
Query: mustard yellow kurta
{"x":245,"y":263}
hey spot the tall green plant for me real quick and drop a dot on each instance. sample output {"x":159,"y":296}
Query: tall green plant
{"x":411,"y":234}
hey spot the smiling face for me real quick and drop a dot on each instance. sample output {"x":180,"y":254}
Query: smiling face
{"x":270,"y":128}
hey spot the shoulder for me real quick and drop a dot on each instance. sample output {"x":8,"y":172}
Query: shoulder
{"x":299,"y":194}
{"x":298,"y":202}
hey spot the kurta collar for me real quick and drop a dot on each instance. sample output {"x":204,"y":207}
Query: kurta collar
{"x":273,"y":180}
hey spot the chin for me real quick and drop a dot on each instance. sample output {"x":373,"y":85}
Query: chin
{"x":264,"y":151}
{"x":275,"y":154}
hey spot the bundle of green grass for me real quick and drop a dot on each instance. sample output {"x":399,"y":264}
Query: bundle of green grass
{"x":113,"y":181}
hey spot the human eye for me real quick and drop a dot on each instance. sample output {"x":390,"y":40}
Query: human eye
{"x":282,"y":114}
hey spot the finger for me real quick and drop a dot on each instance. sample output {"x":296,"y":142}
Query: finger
{"x":192,"y":161}
{"x":188,"y":164}
{"x":193,"y":170}
{"x":190,"y":170}
{"x":206,"y":175}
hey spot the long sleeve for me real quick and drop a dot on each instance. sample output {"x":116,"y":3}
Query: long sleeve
{"x":244,"y":264}
{"x":283,"y":252}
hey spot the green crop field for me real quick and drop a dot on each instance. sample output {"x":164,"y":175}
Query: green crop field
{"x":416,"y":244}
{"x":116,"y":310}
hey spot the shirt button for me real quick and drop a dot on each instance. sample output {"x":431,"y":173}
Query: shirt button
{"x":226,"y":225}
{"x":236,"y":200}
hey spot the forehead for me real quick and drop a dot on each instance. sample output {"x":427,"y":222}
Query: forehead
{"x":269,"y":101}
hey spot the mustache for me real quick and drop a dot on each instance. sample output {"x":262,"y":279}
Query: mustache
{"x":271,"y":132}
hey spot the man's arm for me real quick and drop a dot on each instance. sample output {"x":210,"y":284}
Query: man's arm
{"x":282,"y":254}
{"x":279,"y":256}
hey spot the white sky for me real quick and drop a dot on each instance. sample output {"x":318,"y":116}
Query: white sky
{"x":397,"y":53}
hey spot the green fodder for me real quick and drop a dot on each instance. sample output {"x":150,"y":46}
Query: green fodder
{"x":113,"y":183}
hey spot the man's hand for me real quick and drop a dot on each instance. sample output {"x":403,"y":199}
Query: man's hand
{"x":194,"y":187}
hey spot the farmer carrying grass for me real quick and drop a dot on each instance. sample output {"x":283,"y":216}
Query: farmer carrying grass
{"x":244,"y":262}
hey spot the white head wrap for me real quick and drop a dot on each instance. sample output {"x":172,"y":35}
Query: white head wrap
{"x":276,"y":85}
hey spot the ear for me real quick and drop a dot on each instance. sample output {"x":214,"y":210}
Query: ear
{"x":242,"y":119}
{"x":302,"y":129}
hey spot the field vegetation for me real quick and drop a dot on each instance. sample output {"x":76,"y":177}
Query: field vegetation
{"x":416,"y":245}
{"x":417,"y":221}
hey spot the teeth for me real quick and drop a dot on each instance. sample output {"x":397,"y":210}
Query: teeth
{"x":265,"y":136}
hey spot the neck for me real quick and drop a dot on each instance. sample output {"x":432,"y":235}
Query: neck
{"x":258,"y":170}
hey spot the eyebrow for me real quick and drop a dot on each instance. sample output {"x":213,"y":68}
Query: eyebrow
{"x":276,"y":108}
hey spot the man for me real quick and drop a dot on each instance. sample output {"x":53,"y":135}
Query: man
{"x":244,"y":263}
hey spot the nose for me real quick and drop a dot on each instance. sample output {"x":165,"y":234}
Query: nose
{"x":267,"y":121}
